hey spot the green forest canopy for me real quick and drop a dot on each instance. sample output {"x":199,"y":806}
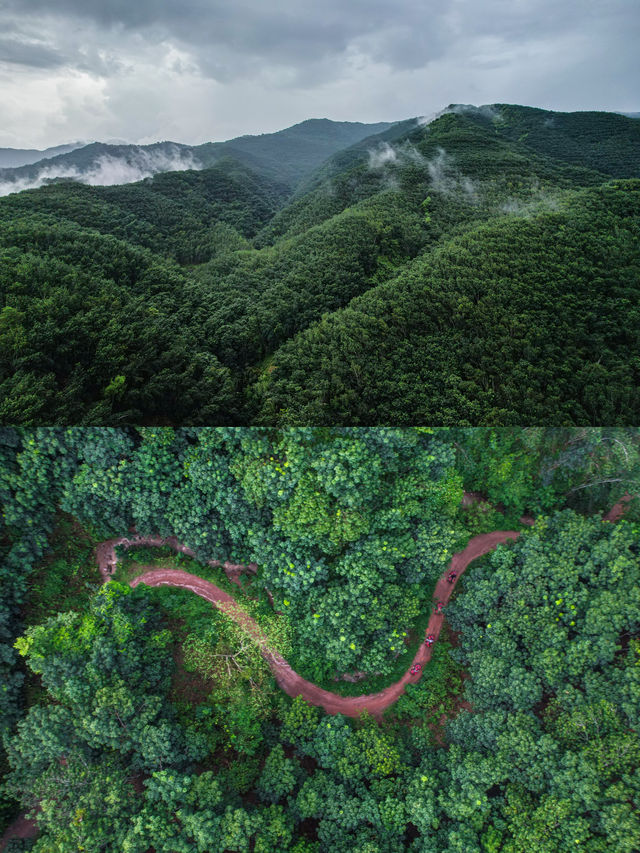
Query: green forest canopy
{"x":481,"y":269}
{"x":132,"y":733}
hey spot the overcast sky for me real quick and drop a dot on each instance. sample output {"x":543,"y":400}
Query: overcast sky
{"x":198,"y":70}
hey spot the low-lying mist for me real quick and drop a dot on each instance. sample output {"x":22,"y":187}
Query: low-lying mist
{"x":107,"y":170}
{"x":444,"y":177}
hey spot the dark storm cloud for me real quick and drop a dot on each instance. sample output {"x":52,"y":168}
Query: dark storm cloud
{"x":228,"y":39}
{"x":227,"y":35}
{"x":522,"y":20}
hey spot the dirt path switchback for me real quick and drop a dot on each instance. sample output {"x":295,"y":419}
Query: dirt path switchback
{"x":286,"y":677}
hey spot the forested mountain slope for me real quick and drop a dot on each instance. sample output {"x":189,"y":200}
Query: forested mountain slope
{"x":480,"y":263}
{"x":292,"y":154}
{"x":516,"y":320}
{"x":603,"y":141}
{"x":178,"y":214}
{"x":91,"y":316}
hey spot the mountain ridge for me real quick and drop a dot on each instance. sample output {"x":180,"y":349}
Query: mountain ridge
{"x":287,"y":156}
{"x":15,"y":157}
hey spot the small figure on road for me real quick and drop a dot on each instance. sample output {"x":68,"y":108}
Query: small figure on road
{"x":439,"y":608}
{"x":430,"y":640}
{"x":452,"y":576}
{"x":416,"y":668}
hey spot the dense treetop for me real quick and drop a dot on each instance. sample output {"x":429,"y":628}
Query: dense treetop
{"x":139,"y":718}
{"x":517,"y":320}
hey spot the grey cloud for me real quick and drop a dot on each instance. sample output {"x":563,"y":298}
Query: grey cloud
{"x":41,"y":45}
{"x":228,"y":39}
{"x":516,"y":22}
{"x":405,"y":47}
{"x":235,"y":39}
{"x":17,"y":51}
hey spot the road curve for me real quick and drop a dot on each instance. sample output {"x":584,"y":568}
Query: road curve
{"x":286,"y":677}
{"x":289,"y":680}
{"x":618,"y":510}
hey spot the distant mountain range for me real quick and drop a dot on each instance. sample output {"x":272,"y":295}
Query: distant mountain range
{"x":11,"y":158}
{"x":287,"y":156}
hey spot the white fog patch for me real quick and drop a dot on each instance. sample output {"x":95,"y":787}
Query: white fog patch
{"x":444,"y":175}
{"x":439,"y":171}
{"x":411,"y":154}
{"x":485,"y":110}
{"x":469,"y":189}
{"x":45,"y":176}
{"x":532,"y":207}
{"x":382,"y":156}
{"x":538,"y":200}
{"x":108,"y":170}
{"x":401,"y":155}
{"x":447,"y":180}
{"x":424,"y":121}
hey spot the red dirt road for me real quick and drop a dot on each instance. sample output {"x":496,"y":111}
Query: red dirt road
{"x":290,"y":681}
{"x":22,"y":827}
{"x":107,"y":559}
{"x":617,"y":510}
{"x":286,"y":677}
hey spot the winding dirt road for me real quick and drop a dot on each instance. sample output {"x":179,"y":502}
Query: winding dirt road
{"x":286,"y":677}
{"x":22,"y":827}
{"x":107,"y":558}
{"x":618,"y":510}
{"x":289,"y":680}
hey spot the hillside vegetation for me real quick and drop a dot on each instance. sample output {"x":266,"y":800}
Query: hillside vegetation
{"x":479,"y":269}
